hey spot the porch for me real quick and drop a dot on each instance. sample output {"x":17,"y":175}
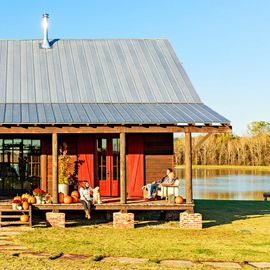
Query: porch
{"x":114,"y":204}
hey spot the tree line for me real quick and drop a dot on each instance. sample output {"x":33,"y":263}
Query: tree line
{"x":229,"y":149}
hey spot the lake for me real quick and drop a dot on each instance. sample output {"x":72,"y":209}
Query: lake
{"x":228,"y":184}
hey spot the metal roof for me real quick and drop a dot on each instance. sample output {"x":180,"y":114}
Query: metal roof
{"x":97,"y":81}
{"x":98,"y":113}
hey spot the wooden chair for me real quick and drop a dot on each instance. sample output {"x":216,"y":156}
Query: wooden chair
{"x":166,"y":189}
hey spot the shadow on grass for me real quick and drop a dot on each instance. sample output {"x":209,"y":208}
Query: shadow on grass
{"x":225,"y":212}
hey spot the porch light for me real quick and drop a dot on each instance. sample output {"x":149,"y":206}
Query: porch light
{"x":45,"y":24}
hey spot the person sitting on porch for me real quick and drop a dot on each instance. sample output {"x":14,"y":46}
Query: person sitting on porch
{"x":85,"y":198}
{"x":168,"y":179}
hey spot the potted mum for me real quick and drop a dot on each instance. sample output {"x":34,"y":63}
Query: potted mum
{"x":39,"y":194}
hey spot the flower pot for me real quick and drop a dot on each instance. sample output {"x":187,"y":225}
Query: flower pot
{"x":38,"y":199}
{"x":63,"y":188}
{"x":15,"y":206}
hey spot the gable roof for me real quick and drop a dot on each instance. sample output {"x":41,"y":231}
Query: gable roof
{"x":97,"y":81}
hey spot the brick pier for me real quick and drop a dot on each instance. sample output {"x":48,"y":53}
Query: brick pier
{"x":190,"y":220}
{"x":56,"y":219}
{"x":123,"y":220}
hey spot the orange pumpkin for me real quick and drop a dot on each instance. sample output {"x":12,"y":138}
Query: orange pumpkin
{"x":32,"y":200}
{"x":61,"y":197}
{"x":25,"y":205}
{"x":24,"y":200}
{"x":17,"y":198}
{"x":25,"y":196}
{"x":75,"y":199}
{"x":179,"y":200}
{"x":67,"y":199}
{"x":24,"y":218}
{"x":75,"y":193}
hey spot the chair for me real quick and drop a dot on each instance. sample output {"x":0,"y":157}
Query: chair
{"x":165,"y":190}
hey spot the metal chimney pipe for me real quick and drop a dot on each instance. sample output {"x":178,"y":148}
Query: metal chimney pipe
{"x":45,"y":43}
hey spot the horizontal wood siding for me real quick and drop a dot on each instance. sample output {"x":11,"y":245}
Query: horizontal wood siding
{"x":158,"y":155}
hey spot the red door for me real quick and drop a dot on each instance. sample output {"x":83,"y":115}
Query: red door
{"x":108,"y":165}
{"x":135,"y":165}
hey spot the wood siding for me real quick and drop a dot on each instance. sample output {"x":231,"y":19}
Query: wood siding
{"x":158,"y":155}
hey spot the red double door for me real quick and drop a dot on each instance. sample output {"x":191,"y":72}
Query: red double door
{"x":108,"y":165}
{"x":100,"y":163}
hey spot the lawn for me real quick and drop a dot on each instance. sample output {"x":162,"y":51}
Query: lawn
{"x":235,"y":231}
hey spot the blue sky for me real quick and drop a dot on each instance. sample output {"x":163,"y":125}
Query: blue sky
{"x":223,"y":45}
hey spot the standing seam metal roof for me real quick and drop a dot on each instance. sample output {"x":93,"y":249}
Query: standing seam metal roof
{"x":97,"y":81}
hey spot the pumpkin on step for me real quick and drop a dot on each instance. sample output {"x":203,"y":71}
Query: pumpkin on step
{"x":75,"y":199}
{"x":61,"y":197}
{"x":75,"y":193}
{"x":25,"y":196}
{"x":25,"y":205}
{"x":17,"y":198}
{"x":24,"y":218}
{"x":179,"y":200}
{"x":32,"y":200}
{"x":67,"y":199}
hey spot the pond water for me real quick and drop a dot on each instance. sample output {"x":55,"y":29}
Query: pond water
{"x":227,"y":184}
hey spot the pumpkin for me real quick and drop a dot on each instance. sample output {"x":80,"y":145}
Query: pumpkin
{"x":67,"y":199}
{"x":32,"y":200}
{"x":179,"y":199}
{"x":17,"y":198}
{"x":25,"y":196}
{"x":75,"y":199}
{"x":24,"y":200}
{"x":75,"y":193}
{"x":61,"y":197}
{"x":25,"y":205}
{"x":24,"y":218}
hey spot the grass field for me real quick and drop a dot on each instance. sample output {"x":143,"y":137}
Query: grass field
{"x":235,"y":167}
{"x":233,"y":231}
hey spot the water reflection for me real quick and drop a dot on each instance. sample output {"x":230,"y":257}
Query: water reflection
{"x":228,"y":184}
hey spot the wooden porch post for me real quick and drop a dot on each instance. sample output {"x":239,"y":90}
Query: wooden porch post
{"x":188,"y":167}
{"x":123,"y":186}
{"x":54,"y":168}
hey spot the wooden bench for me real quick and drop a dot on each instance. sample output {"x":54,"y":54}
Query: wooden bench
{"x":9,"y":216}
{"x":266,"y":195}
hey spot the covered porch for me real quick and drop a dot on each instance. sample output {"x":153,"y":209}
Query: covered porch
{"x":123,"y":201}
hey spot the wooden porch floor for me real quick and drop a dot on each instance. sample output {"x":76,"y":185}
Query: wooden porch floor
{"x":135,"y":203}
{"x":109,"y":203}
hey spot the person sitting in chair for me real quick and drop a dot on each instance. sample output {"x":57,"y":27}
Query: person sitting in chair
{"x":168,"y":179}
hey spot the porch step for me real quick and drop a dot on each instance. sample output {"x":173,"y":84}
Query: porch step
{"x":10,"y":216}
{"x":11,"y":210}
{"x":4,"y":223}
{"x":8,"y":219}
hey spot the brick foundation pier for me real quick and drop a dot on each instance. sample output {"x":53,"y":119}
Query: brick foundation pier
{"x":123,"y":220}
{"x":190,"y":220}
{"x":56,"y":219}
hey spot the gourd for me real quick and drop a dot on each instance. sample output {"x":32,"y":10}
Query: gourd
{"x":67,"y":199}
{"x":179,"y":200}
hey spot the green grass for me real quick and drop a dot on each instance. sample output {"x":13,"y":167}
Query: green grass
{"x":233,"y":231}
{"x":235,"y":167}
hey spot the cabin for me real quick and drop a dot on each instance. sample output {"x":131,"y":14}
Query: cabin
{"x":115,"y":104}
